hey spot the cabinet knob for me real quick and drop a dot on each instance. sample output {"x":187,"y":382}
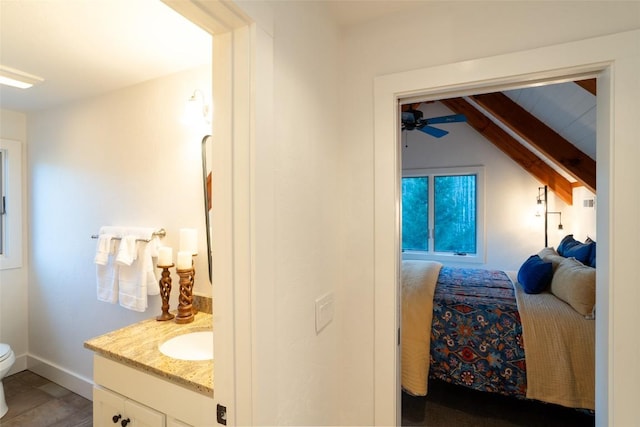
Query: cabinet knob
{"x":115,"y":418}
{"x":124,"y":423}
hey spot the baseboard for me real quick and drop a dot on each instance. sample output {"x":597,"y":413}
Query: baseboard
{"x":19,"y":365}
{"x":67,"y":379}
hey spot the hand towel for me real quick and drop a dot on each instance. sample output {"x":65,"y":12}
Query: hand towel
{"x":103,"y":249}
{"x":128,"y":275}
{"x":127,"y":252}
{"x":132,"y":285}
{"x":137,"y":280}
{"x":107,"y":277}
{"x":147,"y":251}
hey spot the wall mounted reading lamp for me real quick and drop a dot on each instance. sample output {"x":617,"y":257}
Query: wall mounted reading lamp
{"x":542,"y":200}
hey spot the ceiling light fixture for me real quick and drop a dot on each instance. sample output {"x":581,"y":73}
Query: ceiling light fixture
{"x":16,"y":78}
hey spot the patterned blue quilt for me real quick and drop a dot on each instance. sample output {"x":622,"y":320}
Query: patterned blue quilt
{"x":476,"y":334}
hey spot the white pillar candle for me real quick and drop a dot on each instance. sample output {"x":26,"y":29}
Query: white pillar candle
{"x":189,"y":240}
{"x":165,"y":256}
{"x":184,"y":260}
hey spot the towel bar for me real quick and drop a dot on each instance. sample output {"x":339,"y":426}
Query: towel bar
{"x":160,"y":233}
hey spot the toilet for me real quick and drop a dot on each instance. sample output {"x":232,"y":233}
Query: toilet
{"x":7,"y":358}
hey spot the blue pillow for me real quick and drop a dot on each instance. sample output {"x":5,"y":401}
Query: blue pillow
{"x":572,"y":248}
{"x":567,"y":242}
{"x":592,"y":258}
{"x":535,"y":275}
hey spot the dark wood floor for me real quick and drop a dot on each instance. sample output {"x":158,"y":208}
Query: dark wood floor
{"x":35,"y":401}
{"x":447,"y":405}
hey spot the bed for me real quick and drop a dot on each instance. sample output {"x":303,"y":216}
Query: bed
{"x":480,"y":329}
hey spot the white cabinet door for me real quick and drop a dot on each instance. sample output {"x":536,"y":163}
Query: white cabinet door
{"x":172,"y":422}
{"x":143,"y":416}
{"x":108,"y":408}
{"x":113,"y":410}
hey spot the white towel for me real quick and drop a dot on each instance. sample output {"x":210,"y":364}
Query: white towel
{"x":103,"y":249}
{"x":146,"y":251}
{"x":138,"y":280}
{"x":132,"y":282}
{"x":125,"y":273}
{"x":107,"y":278}
{"x":107,"y":274}
{"x":127,"y":252}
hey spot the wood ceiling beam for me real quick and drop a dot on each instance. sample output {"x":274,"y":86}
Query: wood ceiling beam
{"x":543,"y":138}
{"x":512,"y":148}
{"x":589,"y":85}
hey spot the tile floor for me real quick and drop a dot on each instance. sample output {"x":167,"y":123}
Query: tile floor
{"x":35,"y":401}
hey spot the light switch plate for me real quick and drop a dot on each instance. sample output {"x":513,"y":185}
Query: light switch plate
{"x":324,"y":311}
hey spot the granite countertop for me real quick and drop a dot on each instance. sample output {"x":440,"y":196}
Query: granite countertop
{"x":137,"y":346}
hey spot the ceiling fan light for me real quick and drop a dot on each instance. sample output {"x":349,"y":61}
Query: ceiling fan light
{"x":16,"y":78}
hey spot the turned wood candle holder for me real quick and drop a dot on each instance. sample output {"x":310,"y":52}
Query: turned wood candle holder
{"x":193,"y":281}
{"x":185,"y":300}
{"x":165,"y":292}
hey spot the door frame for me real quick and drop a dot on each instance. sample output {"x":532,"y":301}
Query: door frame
{"x":615,"y":59}
{"x":233,"y":122}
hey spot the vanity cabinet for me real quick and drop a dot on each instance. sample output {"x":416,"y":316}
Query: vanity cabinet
{"x":111,"y":409}
{"x":175,"y":423}
{"x":150,"y":400}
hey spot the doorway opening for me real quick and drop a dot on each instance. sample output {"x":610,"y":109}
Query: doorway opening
{"x":604,"y":57}
{"x":462,"y":147}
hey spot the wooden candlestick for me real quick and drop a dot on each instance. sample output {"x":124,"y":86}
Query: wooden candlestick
{"x":185,"y":300}
{"x":165,"y":292}
{"x":193,"y":281}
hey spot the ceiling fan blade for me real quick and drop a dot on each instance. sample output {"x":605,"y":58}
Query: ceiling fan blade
{"x":435,"y":132}
{"x":454,"y":118}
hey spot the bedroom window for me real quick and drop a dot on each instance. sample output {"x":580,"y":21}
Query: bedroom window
{"x":442,"y":214}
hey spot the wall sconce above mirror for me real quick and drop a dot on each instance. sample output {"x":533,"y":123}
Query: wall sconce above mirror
{"x":196,"y":110}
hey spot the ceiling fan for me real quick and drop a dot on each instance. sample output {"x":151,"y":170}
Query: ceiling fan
{"x":413,"y":119}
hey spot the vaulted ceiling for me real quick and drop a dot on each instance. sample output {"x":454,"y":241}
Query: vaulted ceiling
{"x":548,"y":130}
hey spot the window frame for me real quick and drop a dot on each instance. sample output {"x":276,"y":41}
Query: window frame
{"x":11,"y":221}
{"x":430,"y":254}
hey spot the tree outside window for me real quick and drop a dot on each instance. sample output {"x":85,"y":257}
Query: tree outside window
{"x":440,"y":212}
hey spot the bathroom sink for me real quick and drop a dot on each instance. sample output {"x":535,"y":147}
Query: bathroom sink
{"x":191,"y":346}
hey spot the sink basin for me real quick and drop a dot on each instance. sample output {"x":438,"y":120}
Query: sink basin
{"x":191,"y":346}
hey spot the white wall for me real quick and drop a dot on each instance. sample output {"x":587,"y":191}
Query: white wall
{"x":13,"y":282}
{"x":431,"y":34}
{"x":123,"y":158}
{"x":305,"y":245}
{"x":584,"y":217}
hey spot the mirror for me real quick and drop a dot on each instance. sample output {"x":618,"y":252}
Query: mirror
{"x":207,"y":146}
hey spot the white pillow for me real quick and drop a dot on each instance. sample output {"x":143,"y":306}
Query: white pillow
{"x":575,"y":284}
{"x":550,"y":255}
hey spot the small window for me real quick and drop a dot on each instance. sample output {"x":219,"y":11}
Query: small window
{"x":10,"y":204}
{"x":442,"y":214}
{"x":2,"y":201}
